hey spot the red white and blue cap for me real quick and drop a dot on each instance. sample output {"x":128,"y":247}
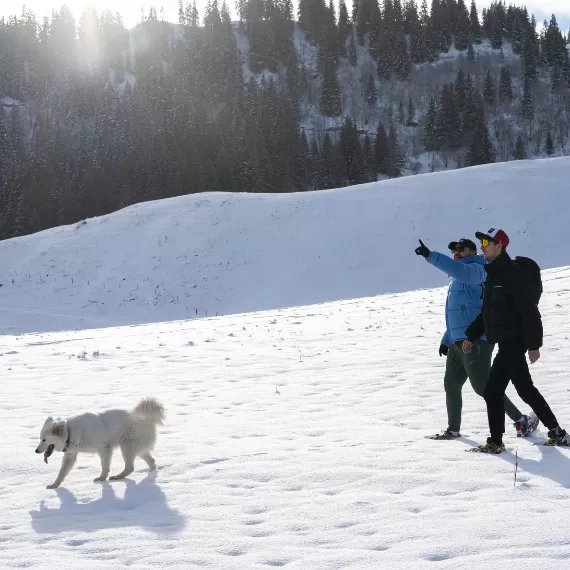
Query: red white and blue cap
{"x":494,"y":234}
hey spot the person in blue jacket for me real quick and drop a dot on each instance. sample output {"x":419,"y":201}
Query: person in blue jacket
{"x":463,"y":305}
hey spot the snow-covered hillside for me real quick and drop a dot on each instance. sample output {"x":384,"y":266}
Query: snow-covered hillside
{"x":294,"y":439}
{"x":209,"y":254}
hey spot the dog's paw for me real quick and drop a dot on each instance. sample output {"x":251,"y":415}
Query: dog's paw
{"x":52,"y":486}
{"x":116,"y":477}
{"x":99,"y":479}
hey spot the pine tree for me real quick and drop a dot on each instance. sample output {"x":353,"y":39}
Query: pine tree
{"x":352,"y":51}
{"x":349,"y":146}
{"x":505,"y":86}
{"x":411,"y":17}
{"x":419,"y":51}
{"x":371,"y":91}
{"x":549,"y":145}
{"x":411,"y":122}
{"x":474,"y":24}
{"x":527,"y":101}
{"x":422,"y":46}
{"x":330,"y":94}
{"x":381,"y":149}
{"x":529,"y":60}
{"x":325,"y":163}
{"x":362,"y":20}
{"x":470,"y":52}
{"x":566,"y":71}
{"x":448,"y":121}
{"x":344,"y":28}
{"x":403,"y":64}
{"x":489,"y":89}
{"x":430,"y":136}
{"x":401,"y":113}
{"x":553,"y":44}
{"x":555,"y":78}
{"x":497,"y":34}
{"x":330,"y":34}
{"x":358,"y":169}
{"x":481,"y":149}
{"x":369,"y":165}
{"x":462,"y":27}
{"x":385,"y":58}
{"x":518,"y":37}
{"x":315,"y":175}
{"x":331,"y":170}
{"x":395,"y":159}
{"x":311,"y":16}
{"x":375,"y":29}
{"x":460,"y":89}
{"x":520,"y":149}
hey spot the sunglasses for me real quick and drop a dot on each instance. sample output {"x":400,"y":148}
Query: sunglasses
{"x":486,"y":242}
{"x":460,"y":248}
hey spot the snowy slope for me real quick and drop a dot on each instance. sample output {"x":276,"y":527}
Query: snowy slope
{"x":214,"y":254}
{"x":294,"y":439}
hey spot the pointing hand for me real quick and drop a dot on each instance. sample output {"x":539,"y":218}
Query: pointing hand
{"x":423,"y":250}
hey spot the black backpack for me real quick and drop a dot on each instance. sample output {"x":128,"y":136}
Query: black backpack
{"x":532,"y":273}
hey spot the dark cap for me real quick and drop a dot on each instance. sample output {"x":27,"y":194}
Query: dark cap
{"x":463,"y":241}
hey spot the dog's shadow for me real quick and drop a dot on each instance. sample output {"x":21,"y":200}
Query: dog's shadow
{"x":143,"y":505}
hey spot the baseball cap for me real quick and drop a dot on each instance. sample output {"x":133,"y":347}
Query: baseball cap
{"x":494,"y":234}
{"x":463,"y":241}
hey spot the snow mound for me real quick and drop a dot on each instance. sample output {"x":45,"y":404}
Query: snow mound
{"x":212,"y":254}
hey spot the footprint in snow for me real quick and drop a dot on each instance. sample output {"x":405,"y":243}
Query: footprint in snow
{"x":216,"y":460}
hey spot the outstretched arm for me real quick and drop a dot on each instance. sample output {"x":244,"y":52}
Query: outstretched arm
{"x":468,"y":273}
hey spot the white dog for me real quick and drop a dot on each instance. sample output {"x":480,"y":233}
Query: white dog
{"x":134,"y":432}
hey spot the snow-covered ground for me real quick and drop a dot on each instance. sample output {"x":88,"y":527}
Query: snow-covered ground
{"x":209,"y":254}
{"x":294,"y":439}
{"x":294,"y":435}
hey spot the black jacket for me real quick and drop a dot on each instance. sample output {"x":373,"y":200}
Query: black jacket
{"x":508,"y":310}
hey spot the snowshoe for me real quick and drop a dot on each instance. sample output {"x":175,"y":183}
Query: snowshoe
{"x":445,"y":435}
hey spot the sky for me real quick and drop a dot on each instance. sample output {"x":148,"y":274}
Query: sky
{"x":131,"y":9}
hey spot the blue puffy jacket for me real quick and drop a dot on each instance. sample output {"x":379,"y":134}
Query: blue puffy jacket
{"x":465,"y":294}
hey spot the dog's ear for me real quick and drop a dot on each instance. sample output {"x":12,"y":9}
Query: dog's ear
{"x":48,"y":421}
{"x":59,"y":429}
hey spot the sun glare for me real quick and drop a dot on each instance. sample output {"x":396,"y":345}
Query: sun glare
{"x":130,"y":10}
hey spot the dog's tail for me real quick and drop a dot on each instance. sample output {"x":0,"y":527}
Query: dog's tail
{"x":151,"y":410}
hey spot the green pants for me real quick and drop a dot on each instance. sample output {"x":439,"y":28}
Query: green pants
{"x":475,"y":366}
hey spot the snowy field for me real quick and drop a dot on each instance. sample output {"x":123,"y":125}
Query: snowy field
{"x":294,"y":434}
{"x":294,"y":439}
{"x":209,"y":254}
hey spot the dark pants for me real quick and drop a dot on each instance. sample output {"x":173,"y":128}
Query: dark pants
{"x":511,"y":364}
{"x":475,"y":366}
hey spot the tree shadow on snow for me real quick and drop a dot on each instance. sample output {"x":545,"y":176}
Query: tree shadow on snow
{"x":143,"y":505}
{"x":554,"y":463}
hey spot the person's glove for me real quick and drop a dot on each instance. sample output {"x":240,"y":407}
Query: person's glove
{"x":423,"y":250}
{"x":443,"y":349}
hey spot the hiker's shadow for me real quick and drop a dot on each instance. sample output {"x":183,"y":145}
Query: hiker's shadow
{"x":553,"y":464}
{"x":143,"y":505}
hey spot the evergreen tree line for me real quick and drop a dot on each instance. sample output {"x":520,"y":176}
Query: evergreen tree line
{"x":96,"y":118}
{"x":355,"y":159}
